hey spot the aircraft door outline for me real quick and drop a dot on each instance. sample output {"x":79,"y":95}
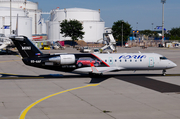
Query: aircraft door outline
{"x":151,"y":62}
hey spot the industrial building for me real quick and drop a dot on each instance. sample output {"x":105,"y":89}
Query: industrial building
{"x":90,"y":19}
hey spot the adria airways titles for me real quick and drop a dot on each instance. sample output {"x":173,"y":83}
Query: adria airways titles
{"x":90,"y":63}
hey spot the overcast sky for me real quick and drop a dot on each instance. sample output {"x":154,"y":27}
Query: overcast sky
{"x":139,"y":13}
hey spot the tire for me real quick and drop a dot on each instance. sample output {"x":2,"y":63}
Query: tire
{"x":79,"y":64}
{"x":164,"y":73}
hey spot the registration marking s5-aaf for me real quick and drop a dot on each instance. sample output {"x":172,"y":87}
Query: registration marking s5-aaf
{"x":36,"y":61}
{"x":24,"y":112}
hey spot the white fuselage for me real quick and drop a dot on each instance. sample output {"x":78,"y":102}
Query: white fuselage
{"x":131,"y":61}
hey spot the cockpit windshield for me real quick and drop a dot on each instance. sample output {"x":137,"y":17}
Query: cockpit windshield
{"x":163,"y":58}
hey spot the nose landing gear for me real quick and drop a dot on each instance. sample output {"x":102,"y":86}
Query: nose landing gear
{"x":163,"y":72}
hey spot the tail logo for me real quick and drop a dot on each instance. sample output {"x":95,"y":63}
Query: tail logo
{"x":26,"y":48}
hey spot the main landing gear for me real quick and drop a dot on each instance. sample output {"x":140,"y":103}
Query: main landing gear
{"x":163,"y":72}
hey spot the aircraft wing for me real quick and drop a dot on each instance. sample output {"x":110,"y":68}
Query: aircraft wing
{"x":99,"y":70}
{"x":5,"y":44}
{"x":109,"y":69}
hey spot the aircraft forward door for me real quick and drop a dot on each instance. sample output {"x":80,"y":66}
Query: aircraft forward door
{"x":151,"y":62}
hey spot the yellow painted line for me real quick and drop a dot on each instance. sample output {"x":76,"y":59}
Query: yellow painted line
{"x":8,"y":73}
{"x":18,"y":56}
{"x":172,"y":74}
{"x":24,"y":112}
{"x":9,"y":61}
{"x":21,"y":77}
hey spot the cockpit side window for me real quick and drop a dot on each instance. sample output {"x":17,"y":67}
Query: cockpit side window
{"x":163,"y":58}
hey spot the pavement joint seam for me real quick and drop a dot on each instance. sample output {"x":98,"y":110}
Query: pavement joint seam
{"x":86,"y":101}
{"x":141,"y":102}
{"x":24,"y":112}
{"x":92,"y":105}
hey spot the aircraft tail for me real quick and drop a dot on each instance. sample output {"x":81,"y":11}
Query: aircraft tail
{"x":25,"y":47}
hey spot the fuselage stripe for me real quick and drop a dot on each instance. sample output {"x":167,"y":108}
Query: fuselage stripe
{"x":101,"y":60}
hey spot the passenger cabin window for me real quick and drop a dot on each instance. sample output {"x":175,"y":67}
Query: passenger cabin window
{"x":105,"y":60}
{"x":163,"y":58}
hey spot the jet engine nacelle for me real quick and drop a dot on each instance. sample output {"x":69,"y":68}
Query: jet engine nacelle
{"x":63,"y":59}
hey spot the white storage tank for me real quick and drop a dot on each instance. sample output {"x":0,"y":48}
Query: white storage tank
{"x":93,"y":31}
{"x":54,"y":31}
{"x":19,"y":4}
{"x":24,"y":22}
{"x":33,"y":12}
{"x":90,"y":19}
{"x":76,"y":13}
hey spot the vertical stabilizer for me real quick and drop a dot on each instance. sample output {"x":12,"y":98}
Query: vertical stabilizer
{"x":25,"y":47}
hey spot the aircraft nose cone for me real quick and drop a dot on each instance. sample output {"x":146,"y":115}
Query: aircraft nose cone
{"x":172,"y":64}
{"x":175,"y":65}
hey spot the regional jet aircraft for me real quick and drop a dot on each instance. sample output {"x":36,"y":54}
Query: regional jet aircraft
{"x":90,"y":63}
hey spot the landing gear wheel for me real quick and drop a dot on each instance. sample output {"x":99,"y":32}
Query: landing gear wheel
{"x":164,"y":72}
{"x":79,"y":64}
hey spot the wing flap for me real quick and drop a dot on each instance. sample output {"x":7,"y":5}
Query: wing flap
{"x":99,"y":70}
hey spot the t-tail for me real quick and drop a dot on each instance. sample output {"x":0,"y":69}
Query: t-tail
{"x":25,"y":47}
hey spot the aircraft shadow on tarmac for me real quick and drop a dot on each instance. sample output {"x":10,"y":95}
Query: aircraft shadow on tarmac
{"x":152,"y":84}
{"x":137,"y":79}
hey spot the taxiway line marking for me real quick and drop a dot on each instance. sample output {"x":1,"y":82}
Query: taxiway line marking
{"x":9,"y":61}
{"x":7,"y":73}
{"x":24,"y":112}
{"x":21,"y":77}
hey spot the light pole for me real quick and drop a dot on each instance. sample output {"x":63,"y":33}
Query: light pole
{"x":122,"y":33}
{"x":163,"y":1}
{"x":152,"y":26}
{"x":10,"y":19}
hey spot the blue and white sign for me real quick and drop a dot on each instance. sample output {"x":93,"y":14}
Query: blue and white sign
{"x":158,"y":27}
{"x":6,"y":27}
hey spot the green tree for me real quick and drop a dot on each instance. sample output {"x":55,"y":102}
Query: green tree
{"x":175,"y":34}
{"x":149,"y":33}
{"x":117,"y":30}
{"x":72,"y":28}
